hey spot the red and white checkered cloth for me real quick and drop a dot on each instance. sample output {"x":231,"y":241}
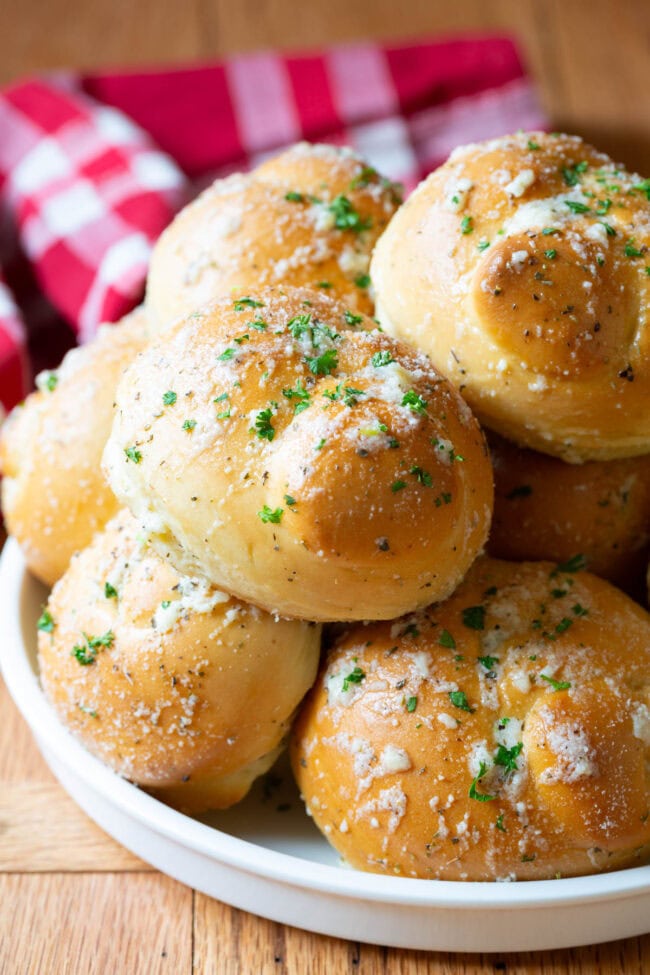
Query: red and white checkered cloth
{"x":93,"y":167}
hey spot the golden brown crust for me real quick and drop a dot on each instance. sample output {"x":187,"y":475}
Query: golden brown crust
{"x":172,"y":683}
{"x":547,"y":509}
{"x":54,"y":494}
{"x":520,"y":267}
{"x":503,"y":734}
{"x":314,"y":470}
{"x":309,"y":216}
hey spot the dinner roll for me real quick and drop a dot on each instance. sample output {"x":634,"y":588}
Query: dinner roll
{"x":54,"y":494}
{"x":310,"y":216}
{"x":171,"y":682}
{"x":547,"y":509}
{"x":501,"y":735}
{"x":520,"y":267}
{"x":314,"y":470}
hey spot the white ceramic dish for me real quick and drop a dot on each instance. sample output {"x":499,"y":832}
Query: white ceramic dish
{"x":266,"y":856}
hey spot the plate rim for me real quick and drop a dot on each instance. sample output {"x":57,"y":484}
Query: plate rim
{"x":24,"y":688}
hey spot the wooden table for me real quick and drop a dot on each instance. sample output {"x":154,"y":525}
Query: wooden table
{"x":71,"y":900}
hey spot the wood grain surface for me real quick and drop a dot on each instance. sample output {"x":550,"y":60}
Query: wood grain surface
{"x":71,"y":900}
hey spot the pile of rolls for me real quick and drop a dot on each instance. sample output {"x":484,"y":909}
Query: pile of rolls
{"x":269,"y":517}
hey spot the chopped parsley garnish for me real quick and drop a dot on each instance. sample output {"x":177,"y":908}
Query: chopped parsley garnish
{"x":51,"y":382}
{"x":188,"y":425}
{"x":459,"y":700}
{"x":351,"y":318}
{"x":488,"y":662}
{"x":574,"y":564}
{"x":521,"y":491}
{"x":271,"y":516}
{"x":447,"y":640}
{"x":644,"y":187}
{"x":324,"y":364}
{"x":579,"y":610}
{"x":474,"y":617}
{"x":354,"y":677}
{"x":258,"y":325}
{"x":87,"y":654}
{"x":362,"y":281}
{"x":422,"y":476}
{"x":466,"y":224}
{"x":324,"y":284}
{"x":473,"y":790}
{"x":298,"y":393}
{"x":631,"y":251}
{"x":499,"y":823}
{"x":45,"y":622}
{"x":548,"y":231}
{"x":572,"y":173}
{"x":557,"y":685}
{"x":414,"y":401}
{"x":321,"y":443}
{"x":242,"y":303}
{"x":222,"y":399}
{"x":293,"y":197}
{"x":351,"y":396}
{"x":169,"y":398}
{"x":411,"y":704}
{"x":608,"y":227}
{"x":367,"y":175}
{"x":576,"y":207}
{"x":483,"y":245}
{"x":110,"y":592}
{"x":346,"y":217}
{"x":243,"y":338}
{"x":300,"y":324}
{"x":89,"y":711}
{"x":507,"y":757}
{"x":289,"y":500}
{"x":226,"y":355}
{"x":348,"y":394}
{"x":132,"y":453}
{"x":397,"y":486}
{"x":531,"y":144}
{"x":383,"y":358}
{"x":551,"y":254}
{"x":263,"y":426}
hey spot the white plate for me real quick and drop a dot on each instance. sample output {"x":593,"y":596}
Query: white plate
{"x":269,"y":859}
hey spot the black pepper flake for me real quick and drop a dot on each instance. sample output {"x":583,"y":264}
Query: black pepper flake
{"x":627,"y":373}
{"x":383,"y":544}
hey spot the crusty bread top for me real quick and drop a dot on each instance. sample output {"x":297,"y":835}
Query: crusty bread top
{"x":54,"y":493}
{"x":309,"y":216}
{"x":170,"y":681}
{"x":520,"y":267}
{"x":302,"y":460}
{"x":503,"y":734}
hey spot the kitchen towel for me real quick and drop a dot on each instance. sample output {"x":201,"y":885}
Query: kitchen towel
{"x":93,"y":167}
